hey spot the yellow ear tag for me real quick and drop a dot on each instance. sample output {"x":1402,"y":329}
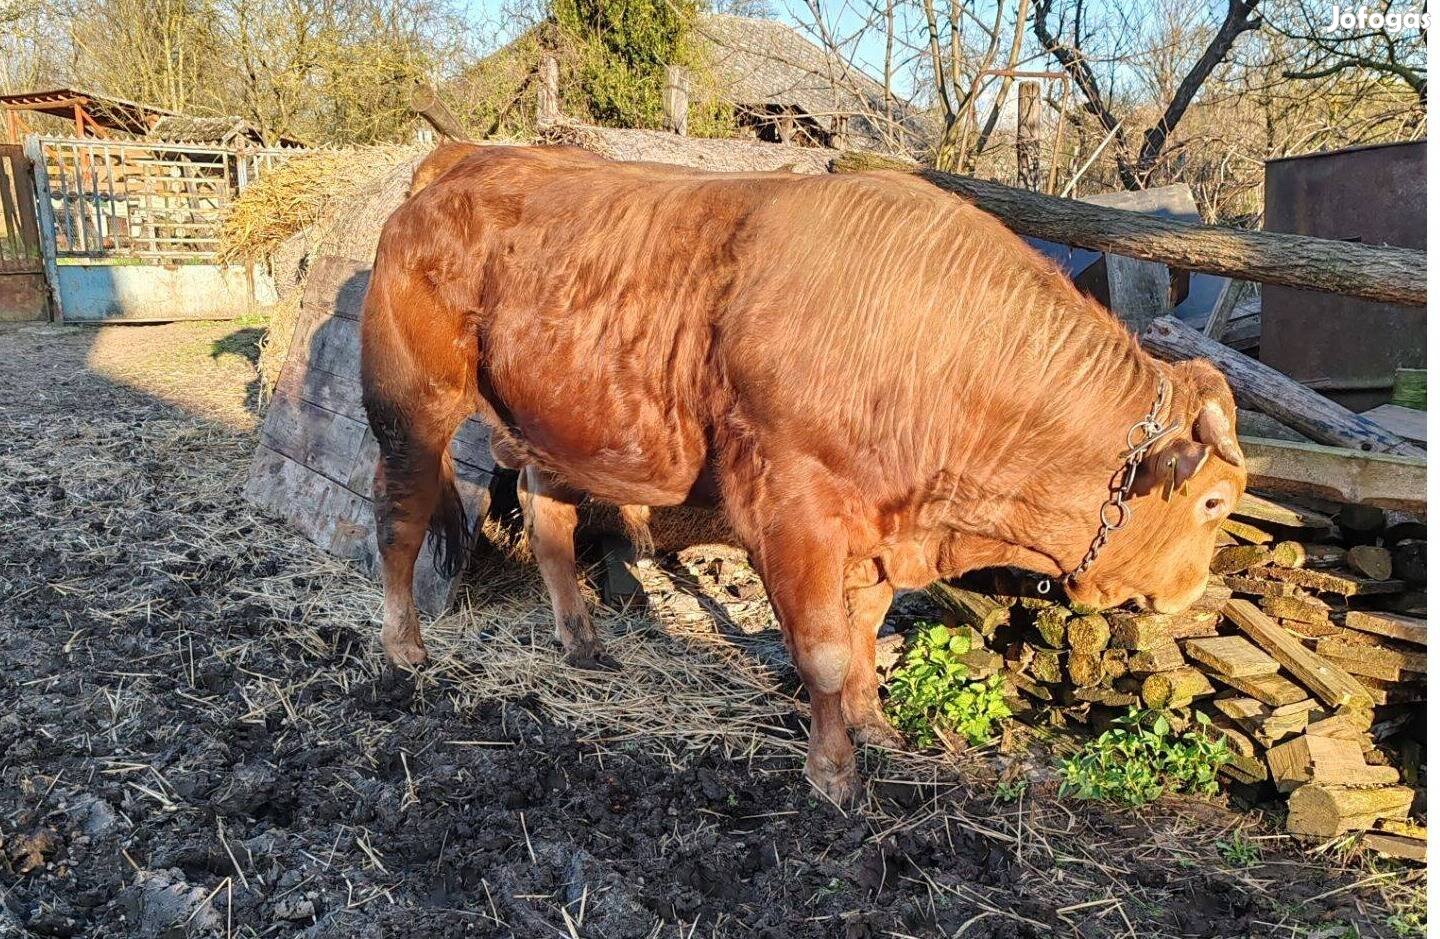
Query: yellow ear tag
{"x":1172,"y":467}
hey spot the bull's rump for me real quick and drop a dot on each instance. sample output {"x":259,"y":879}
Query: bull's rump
{"x":626,"y":314}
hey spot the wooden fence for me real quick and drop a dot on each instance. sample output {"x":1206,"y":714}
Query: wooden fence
{"x":143,"y":199}
{"x":19,"y":233}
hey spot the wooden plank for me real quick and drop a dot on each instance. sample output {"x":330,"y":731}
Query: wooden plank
{"x":1327,"y":761}
{"x":1257,"y":508}
{"x":1246,"y":532}
{"x":1264,"y":389}
{"x":1400,"y":421}
{"x":1393,"y":625}
{"x":337,"y":284}
{"x":1409,"y":662}
{"x":1404,"y":847}
{"x":1234,"y":656}
{"x":320,"y":440}
{"x":1329,"y":683}
{"x":1335,"y":474}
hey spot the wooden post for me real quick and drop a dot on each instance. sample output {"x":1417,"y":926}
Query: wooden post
{"x":1027,"y":135}
{"x":676,"y":99}
{"x":1371,"y":272}
{"x":427,"y":104}
{"x":12,"y":124}
{"x":45,"y":218}
{"x":547,"y":103}
{"x":79,"y":120}
{"x":1264,"y":389}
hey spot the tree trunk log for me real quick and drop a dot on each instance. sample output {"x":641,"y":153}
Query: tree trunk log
{"x":428,"y":105}
{"x":1262,"y":388}
{"x":1371,"y":272}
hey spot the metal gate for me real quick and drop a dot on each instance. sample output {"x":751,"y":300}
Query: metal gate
{"x":22,"y":277}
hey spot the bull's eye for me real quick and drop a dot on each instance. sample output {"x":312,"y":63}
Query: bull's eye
{"x":1213,"y":504}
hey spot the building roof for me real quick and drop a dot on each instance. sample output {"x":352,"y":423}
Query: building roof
{"x":187,"y":128}
{"x":106,"y":111}
{"x":759,"y":62}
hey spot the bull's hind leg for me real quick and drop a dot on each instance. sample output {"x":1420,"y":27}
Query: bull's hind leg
{"x":550,"y":518}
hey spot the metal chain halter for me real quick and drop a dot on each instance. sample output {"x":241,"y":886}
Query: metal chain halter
{"x":1115,"y":511}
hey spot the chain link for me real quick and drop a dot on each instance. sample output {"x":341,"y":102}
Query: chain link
{"x":1115,"y":511}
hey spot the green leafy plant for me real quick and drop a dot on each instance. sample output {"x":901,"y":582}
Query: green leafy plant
{"x":1142,"y":758}
{"x":1238,"y":850}
{"x":931,"y":690}
{"x":1010,"y":791}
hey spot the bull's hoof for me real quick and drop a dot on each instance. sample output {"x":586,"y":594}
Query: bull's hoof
{"x":879,"y":733}
{"x":838,"y":783}
{"x":594,"y":659}
{"x":404,"y":653}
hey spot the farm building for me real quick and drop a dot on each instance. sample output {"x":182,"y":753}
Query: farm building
{"x":85,"y":113}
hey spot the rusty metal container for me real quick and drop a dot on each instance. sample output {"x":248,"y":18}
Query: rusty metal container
{"x":1345,"y":348}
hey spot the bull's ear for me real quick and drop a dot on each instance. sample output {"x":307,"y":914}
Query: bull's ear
{"x":1170,"y":467}
{"x":1214,"y":427}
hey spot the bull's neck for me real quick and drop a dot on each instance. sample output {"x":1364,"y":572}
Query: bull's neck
{"x":1050,"y":461}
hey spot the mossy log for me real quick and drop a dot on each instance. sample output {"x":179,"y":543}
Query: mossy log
{"x":976,"y":610}
{"x":1175,"y":689}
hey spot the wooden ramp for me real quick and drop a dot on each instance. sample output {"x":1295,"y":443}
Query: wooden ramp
{"x":316,"y":460}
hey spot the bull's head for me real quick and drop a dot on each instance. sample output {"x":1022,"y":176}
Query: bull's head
{"x":1183,"y":490}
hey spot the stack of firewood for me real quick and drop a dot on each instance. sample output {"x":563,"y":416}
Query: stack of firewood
{"x":1307,"y":653}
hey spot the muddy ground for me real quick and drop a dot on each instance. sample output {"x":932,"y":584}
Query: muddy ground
{"x":197,"y":737}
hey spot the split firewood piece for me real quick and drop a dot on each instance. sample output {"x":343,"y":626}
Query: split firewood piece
{"x":1246,"y":532}
{"x":1322,"y":556}
{"x":1018,"y":681}
{"x":1393,"y":661}
{"x":981,"y":662}
{"x":1135,"y":631}
{"x":1327,"y":761}
{"x":1259,"y":587}
{"x":1326,"y":811}
{"x":1370,"y":561}
{"x":1214,"y":597}
{"x":1176,"y":688}
{"x":1274,"y":690}
{"x":1391,"y":692}
{"x":1088,"y":635}
{"x":1193,"y":623}
{"x":1404,"y":847}
{"x":1299,"y":607}
{"x":1259,"y":509}
{"x":1239,"y":558}
{"x":1343,"y":583}
{"x":1393,"y":625}
{"x":1268,"y":725}
{"x":1107,"y":696}
{"x":1161,"y":657}
{"x":1245,"y":762}
{"x":1308,"y":630}
{"x":1329,"y":683}
{"x":1340,"y":726}
{"x":1234,"y":656}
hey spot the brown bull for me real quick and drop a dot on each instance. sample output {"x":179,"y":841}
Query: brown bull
{"x":878,"y":383}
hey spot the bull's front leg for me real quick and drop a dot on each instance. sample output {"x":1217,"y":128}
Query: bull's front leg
{"x":551,"y":517}
{"x":801,"y":563}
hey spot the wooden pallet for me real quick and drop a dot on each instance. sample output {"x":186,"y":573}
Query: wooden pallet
{"x":316,"y":460}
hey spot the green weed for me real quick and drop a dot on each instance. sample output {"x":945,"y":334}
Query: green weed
{"x":931,"y":690}
{"x":1143,"y":758}
{"x":1238,"y":850}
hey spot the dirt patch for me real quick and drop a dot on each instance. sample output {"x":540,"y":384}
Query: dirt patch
{"x":198,"y":738}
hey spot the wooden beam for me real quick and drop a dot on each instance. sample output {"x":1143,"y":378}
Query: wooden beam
{"x":1261,"y":387}
{"x":428,"y":105}
{"x":1372,"y":272}
{"x":1335,"y":474}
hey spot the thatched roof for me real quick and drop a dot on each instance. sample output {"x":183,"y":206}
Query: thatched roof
{"x":187,"y":128}
{"x":761,"y":62}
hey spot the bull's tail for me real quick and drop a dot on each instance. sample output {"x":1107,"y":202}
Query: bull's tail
{"x":450,"y":525}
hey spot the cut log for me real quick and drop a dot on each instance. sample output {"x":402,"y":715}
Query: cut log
{"x":1239,"y":558}
{"x":1085,"y":669}
{"x":1374,"y":272}
{"x":1046,"y":666}
{"x":1393,"y":625}
{"x":1050,"y":624}
{"x":1326,"y":811}
{"x":1115,"y":663}
{"x":1322,"y":556}
{"x":1109,"y":697}
{"x":426,"y":102}
{"x":1231,"y":656}
{"x":1336,"y":474}
{"x":976,"y":610}
{"x":1261,"y":387}
{"x":1088,"y":635}
{"x":1288,"y":554}
{"x":1369,"y":561}
{"x":1329,"y":683}
{"x":1176,"y":688}
{"x":1214,"y":597}
{"x":1326,"y":761}
{"x":1409,"y":562}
